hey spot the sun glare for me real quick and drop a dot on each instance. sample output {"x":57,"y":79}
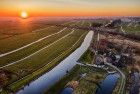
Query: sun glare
{"x":24,"y":14}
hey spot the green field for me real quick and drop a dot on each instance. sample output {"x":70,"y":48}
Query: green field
{"x":132,"y":29}
{"x":34,"y":47}
{"x":34,"y":53}
{"x":86,"y":24}
{"x":17,"y":41}
{"x":31,"y":49}
{"x":45,"y":68}
{"x":34,"y":60}
{"x":46,"y":55}
{"x":11,"y":27}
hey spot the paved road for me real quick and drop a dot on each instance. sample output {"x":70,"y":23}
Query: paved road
{"x":123,"y":79}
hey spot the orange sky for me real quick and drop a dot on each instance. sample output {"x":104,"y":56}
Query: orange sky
{"x":70,"y":7}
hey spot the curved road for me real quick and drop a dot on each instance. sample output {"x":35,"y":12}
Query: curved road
{"x":123,"y":79}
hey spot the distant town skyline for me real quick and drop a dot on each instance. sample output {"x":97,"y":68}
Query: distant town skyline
{"x":70,"y":7}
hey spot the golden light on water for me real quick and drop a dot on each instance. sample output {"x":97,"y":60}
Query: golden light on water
{"x":24,"y":14}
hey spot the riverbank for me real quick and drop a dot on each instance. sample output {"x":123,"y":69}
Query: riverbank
{"x":87,"y":85}
{"x":93,"y":76}
{"x":59,"y":86}
{"x":54,"y":75}
{"x":87,"y":57}
{"x":44,"y":69}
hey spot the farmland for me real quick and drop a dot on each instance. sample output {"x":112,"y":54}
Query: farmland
{"x":30,"y":54}
{"x":20,"y":40}
{"x":34,"y":47}
{"x":131,"y":28}
{"x":62,"y":51}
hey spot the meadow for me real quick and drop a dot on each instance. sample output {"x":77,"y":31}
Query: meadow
{"x":131,"y":29}
{"x":17,"y":55}
{"x":28,"y":56}
{"x":20,"y":40}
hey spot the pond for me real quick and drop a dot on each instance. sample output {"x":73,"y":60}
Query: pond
{"x":108,"y":84}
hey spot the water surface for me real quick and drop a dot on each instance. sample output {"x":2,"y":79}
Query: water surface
{"x":108,"y":84}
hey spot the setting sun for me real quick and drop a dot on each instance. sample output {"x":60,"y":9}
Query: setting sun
{"x":24,"y":14}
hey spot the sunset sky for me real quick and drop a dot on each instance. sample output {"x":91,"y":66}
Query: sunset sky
{"x":70,"y":7}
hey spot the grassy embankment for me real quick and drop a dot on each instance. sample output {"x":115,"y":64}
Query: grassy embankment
{"x":46,"y":59}
{"x":126,"y":71}
{"x":117,"y":87}
{"x":87,"y":57}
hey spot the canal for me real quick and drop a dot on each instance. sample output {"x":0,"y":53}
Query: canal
{"x":44,"y":82}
